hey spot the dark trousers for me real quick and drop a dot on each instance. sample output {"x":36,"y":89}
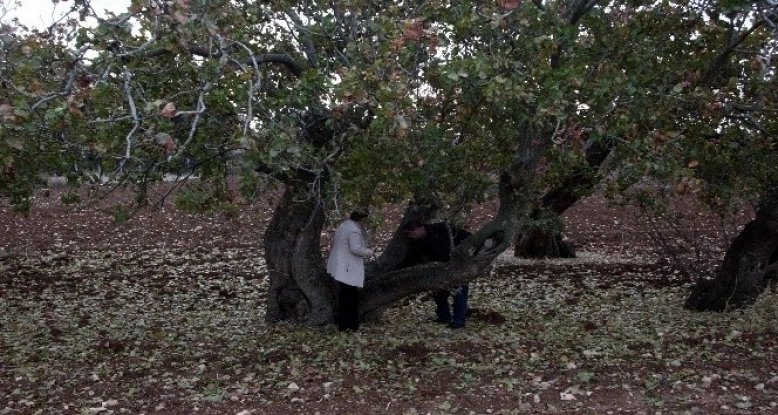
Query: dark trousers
{"x":443,"y":309}
{"x":348,"y":307}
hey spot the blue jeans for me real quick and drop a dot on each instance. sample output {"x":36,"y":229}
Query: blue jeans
{"x":443,"y":310}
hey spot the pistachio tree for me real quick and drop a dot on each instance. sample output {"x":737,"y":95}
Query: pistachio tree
{"x":367,"y":102}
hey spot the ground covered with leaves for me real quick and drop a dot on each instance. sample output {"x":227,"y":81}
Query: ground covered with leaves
{"x":161,"y":312}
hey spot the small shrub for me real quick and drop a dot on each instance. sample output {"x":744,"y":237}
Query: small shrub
{"x":194,"y":200}
{"x":70,"y":198}
{"x":121,"y":215}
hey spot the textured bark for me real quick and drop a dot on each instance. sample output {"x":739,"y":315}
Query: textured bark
{"x":749,"y":263}
{"x":301,"y":292}
{"x":542,"y":243}
{"x":300,"y":289}
{"x":547,"y":242}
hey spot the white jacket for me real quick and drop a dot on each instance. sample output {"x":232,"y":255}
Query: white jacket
{"x":347,"y":257}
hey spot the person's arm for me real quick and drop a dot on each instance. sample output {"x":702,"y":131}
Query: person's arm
{"x":357,"y":245}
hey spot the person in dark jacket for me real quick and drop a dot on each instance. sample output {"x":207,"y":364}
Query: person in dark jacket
{"x":433,"y":242}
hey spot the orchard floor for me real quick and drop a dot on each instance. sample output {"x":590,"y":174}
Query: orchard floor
{"x":163,"y":314}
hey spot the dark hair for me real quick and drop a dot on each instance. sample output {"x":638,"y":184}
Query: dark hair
{"x":359,"y":214}
{"x":413,"y":224}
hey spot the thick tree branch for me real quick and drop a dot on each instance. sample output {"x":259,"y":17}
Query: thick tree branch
{"x":281,"y":58}
{"x":716,"y":66}
{"x":579,"y":9}
{"x":569,"y":192}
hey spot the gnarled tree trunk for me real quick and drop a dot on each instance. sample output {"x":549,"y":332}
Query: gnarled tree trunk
{"x":385,"y":283}
{"x":542,"y":239}
{"x":301,"y":292}
{"x":300,"y":289}
{"x":750,"y":261}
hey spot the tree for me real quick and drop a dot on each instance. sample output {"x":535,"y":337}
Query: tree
{"x":750,"y":261}
{"x":360,"y":102}
{"x":719,"y":142}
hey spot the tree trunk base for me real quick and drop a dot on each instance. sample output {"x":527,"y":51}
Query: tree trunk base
{"x":543,"y":245}
{"x":750,"y":263}
{"x":300,"y":290}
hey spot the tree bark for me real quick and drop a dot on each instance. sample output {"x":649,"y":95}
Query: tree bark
{"x":302,"y":293}
{"x":542,"y":239}
{"x":749,"y":263}
{"x":386,"y":283}
{"x":542,"y":243}
{"x":300,"y":289}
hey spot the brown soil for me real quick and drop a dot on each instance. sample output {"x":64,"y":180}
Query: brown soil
{"x":163,"y":314}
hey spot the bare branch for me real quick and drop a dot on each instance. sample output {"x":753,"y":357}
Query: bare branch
{"x":196,"y":121}
{"x":67,"y":88}
{"x":134,"y":113}
{"x":254,"y":86}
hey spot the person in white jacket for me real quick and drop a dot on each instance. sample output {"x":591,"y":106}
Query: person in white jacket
{"x":346,"y":264}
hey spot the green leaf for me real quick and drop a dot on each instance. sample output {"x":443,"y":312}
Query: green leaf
{"x":585,"y":376}
{"x":15,"y":142}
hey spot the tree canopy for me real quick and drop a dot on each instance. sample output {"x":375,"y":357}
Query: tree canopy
{"x":440,"y":95}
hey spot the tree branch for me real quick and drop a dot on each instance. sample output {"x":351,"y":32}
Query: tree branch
{"x":197,"y":114}
{"x":282,"y":58}
{"x":721,"y":60}
{"x":68,"y":86}
{"x":134,"y":112}
{"x":579,"y":10}
{"x":307,"y":43}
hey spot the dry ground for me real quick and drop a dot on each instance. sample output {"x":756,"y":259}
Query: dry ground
{"x":163,"y":314}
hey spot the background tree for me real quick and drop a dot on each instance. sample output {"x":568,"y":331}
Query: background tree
{"x":717,"y":139}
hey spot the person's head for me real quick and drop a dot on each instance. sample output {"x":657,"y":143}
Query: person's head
{"x":415,"y":230}
{"x":359,"y":214}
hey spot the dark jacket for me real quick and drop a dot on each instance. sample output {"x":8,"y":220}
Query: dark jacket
{"x":436,"y":246}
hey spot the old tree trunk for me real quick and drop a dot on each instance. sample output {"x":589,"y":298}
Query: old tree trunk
{"x":301,"y":292}
{"x":749,"y":263}
{"x":540,"y":237}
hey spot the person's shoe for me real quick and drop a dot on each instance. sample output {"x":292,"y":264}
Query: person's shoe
{"x":455,"y":325}
{"x":441,"y":320}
